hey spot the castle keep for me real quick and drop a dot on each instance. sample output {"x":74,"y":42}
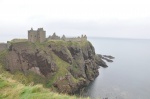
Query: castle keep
{"x":38,"y":35}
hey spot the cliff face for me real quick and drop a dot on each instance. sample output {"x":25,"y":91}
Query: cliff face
{"x":64,"y":66}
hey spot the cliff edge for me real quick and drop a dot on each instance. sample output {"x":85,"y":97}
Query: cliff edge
{"x":64,"y":66}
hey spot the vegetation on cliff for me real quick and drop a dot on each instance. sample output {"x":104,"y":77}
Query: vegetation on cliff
{"x":61,"y":66}
{"x":12,"y":89}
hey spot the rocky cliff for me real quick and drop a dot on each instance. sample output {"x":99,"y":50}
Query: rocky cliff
{"x":64,"y":66}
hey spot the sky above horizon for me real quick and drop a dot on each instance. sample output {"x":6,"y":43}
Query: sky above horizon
{"x":95,"y":18}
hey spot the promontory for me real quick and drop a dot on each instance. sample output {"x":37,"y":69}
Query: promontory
{"x":62,"y":64}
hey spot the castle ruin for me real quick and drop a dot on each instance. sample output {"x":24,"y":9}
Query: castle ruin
{"x":54,"y":37}
{"x":38,"y":35}
{"x":64,"y":38}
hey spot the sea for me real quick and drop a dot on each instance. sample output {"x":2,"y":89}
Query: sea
{"x":128,"y":77}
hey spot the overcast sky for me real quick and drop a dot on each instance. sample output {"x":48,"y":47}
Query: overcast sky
{"x":97,"y":18}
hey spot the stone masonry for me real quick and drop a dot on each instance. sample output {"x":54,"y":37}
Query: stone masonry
{"x":37,"y":35}
{"x":64,"y":38}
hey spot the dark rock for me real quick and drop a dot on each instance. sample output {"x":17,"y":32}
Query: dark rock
{"x":99,"y":61}
{"x":108,"y":60}
{"x":108,"y":56}
{"x":23,"y":60}
{"x":62,"y":53}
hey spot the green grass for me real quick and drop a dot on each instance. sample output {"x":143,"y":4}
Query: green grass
{"x":12,"y":89}
{"x":2,"y":55}
{"x":19,"y":40}
{"x":62,"y":70}
{"x":29,"y":78}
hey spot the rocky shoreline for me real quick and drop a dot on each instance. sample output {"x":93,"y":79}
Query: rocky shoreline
{"x":107,"y":58}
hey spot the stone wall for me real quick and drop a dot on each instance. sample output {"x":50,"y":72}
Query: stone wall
{"x":32,"y":35}
{"x":74,"y":39}
{"x":55,"y":37}
{"x":82,"y":38}
{"x":41,"y":35}
{"x":36,"y":35}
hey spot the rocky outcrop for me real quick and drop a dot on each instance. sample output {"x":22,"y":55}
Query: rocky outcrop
{"x":99,"y":61}
{"x":67,"y":66}
{"x":61,"y":52}
{"x":108,"y":58}
{"x":24,"y":57}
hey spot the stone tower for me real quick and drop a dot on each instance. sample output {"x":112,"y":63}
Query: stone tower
{"x":37,"y":35}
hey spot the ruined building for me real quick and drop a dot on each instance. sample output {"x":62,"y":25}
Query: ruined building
{"x":54,"y":37}
{"x":64,"y":38}
{"x":40,"y":36}
{"x":36,"y":35}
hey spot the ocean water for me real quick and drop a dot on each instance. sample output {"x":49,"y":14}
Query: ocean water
{"x":128,"y":77}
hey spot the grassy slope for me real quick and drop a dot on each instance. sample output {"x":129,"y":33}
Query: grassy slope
{"x":11,"y":89}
